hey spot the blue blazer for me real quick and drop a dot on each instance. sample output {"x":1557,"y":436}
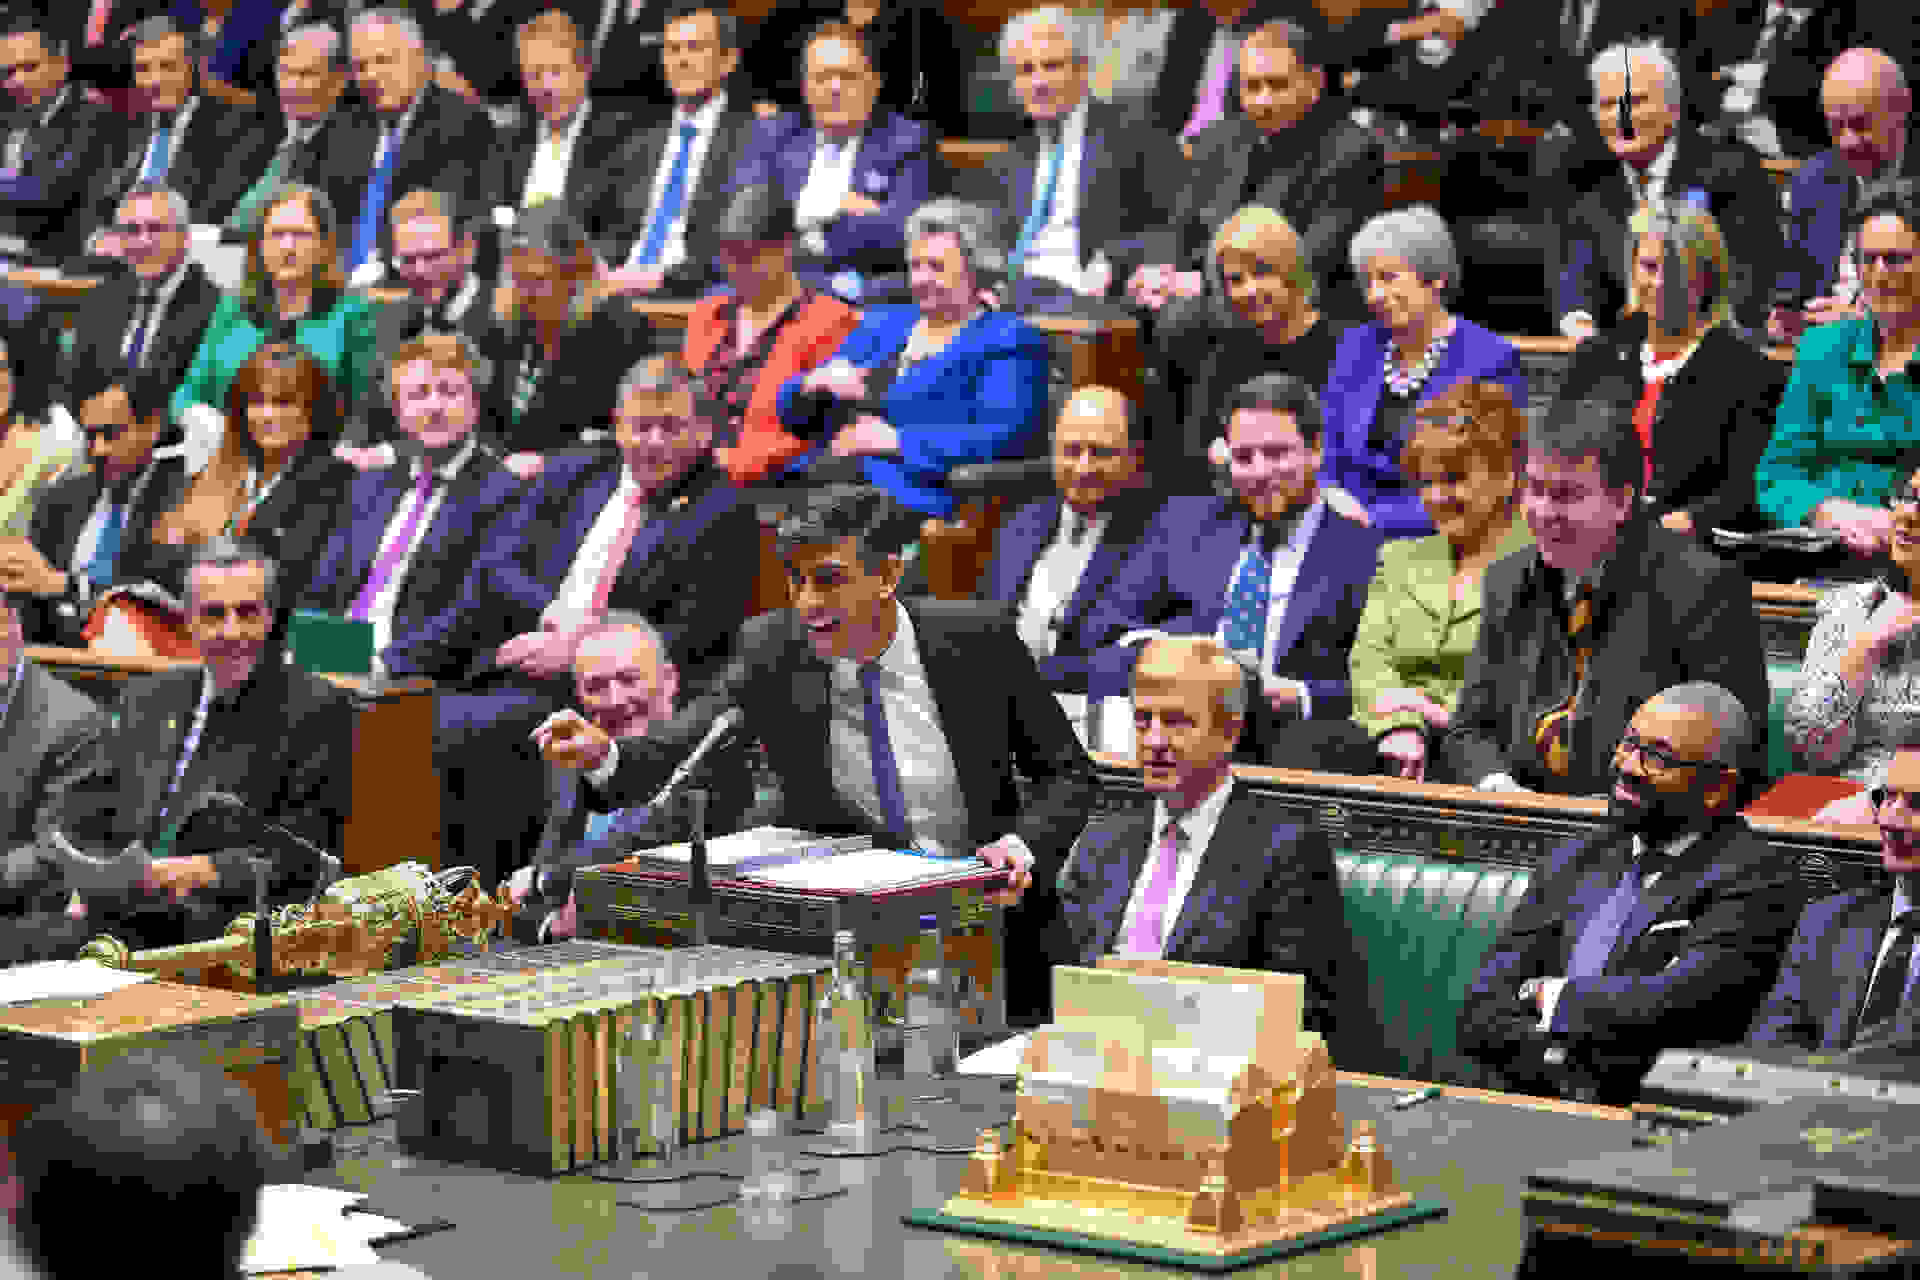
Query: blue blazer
{"x":480,"y":511}
{"x":982,"y":399}
{"x":1178,"y":580}
{"x":1819,"y":205}
{"x":894,"y":168}
{"x":1351,"y":398}
{"x":1823,"y":981}
{"x":1017,"y":548}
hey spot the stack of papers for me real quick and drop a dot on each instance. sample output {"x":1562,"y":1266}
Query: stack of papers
{"x":745,"y":851}
{"x":304,"y":1227}
{"x":866,"y":870}
{"x":64,"y":980}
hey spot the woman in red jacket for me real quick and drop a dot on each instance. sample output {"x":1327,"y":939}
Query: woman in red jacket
{"x":745,"y":341}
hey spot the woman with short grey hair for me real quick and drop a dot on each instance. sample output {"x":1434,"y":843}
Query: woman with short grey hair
{"x":916,"y":390}
{"x":1413,"y":349}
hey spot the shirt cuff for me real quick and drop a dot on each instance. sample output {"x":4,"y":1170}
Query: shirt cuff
{"x":1573,"y":321}
{"x":1498,"y":782}
{"x":601,"y":776}
{"x":1550,"y":989}
{"x":1020,"y":850}
{"x":1302,"y":694}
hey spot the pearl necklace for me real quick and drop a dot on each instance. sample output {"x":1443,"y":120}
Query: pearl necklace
{"x":1405,"y":383}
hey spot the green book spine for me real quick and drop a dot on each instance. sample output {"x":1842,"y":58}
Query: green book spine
{"x":336,"y":1062}
{"x":558,"y":1078}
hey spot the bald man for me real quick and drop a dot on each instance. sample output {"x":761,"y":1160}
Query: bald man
{"x":1206,"y":875}
{"x":1867,"y":101}
{"x":1662,"y":931}
{"x":1056,"y":555}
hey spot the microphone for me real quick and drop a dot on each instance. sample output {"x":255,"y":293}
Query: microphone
{"x":718,"y":732}
{"x":228,"y":803}
{"x":1626,"y":97}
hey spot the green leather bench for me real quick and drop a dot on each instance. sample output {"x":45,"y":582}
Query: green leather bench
{"x":1423,"y":926}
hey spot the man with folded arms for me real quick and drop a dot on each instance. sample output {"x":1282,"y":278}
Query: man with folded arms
{"x":1663,"y":931}
{"x":902,"y":719}
{"x":1848,"y":982}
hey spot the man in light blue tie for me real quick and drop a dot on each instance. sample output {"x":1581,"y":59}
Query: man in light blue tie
{"x":625,"y":682}
{"x":1663,"y":931}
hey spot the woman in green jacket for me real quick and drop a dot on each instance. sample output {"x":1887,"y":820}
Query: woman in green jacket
{"x":1409,"y":657}
{"x":293,"y":292}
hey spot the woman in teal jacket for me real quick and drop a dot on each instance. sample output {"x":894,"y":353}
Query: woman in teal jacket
{"x":293,"y":291}
{"x":1851,"y":411}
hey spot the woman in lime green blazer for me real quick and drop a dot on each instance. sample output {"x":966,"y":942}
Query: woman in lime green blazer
{"x":1409,"y":657}
{"x":293,"y":291}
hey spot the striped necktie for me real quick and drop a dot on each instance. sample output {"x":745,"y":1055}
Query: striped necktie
{"x":1553,"y":734}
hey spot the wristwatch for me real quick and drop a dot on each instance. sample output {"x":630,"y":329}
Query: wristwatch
{"x":1530,"y":992}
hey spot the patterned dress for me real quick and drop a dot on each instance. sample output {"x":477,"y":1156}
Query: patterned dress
{"x":1836,"y":732}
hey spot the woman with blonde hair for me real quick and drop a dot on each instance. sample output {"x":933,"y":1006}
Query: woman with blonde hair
{"x":1256,"y":316}
{"x":1706,"y":395}
{"x":1409,"y":657}
{"x":293,"y":292}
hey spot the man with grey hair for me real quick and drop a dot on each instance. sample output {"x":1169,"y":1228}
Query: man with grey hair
{"x":654,"y":527}
{"x":1663,"y":931}
{"x":1085,"y":185}
{"x":321,"y":135}
{"x":1637,"y":106}
{"x":428,"y":137}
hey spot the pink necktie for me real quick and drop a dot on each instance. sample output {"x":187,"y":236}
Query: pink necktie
{"x":97,"y":21}
{"x":1145,"y":937}
{"x":1212,"y":102}
{"x":617,"y":552}
{"x":396,"y":550}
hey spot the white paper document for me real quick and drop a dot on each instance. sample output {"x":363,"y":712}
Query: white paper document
{"x":303,"y":1227}
{"x":862,"y":871}
{"x":744,"y":851}
{"x":63,"y":980}
{"x":1001,"y":1059}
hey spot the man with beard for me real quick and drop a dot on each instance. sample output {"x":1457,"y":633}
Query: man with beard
{"x":1848,"y":982}
{"x":1269,"y":571}
{"x":1663,"y":931}
{"x":1603,"y":611}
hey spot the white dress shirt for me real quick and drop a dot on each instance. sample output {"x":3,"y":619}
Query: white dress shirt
{"x":1196,"y":831}
{"x":1056,"y":576}
{"x":1656,"y":191}
{"x":1551,"y":987}
{"x":553,"y":158}
{"x":1287,"y":559}
{"x":706,"y":120}
{"x":381,"y":612}
{"x":1054,"y":252}
{"x":829,"y":181}
{"x":929,"y":779}
{"x":576,"y":593}
{"x":1903,"y":901}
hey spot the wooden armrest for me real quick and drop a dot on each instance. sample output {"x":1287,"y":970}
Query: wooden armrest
{"x":968,"y":153}
{"x":50,"y":283}
{"x":1541,"y":345}
{"x":1508,"y":132}
{"x":1067,"y":324}
{"x":674,"y":315}
{"x":106,"y":665}
{"x":1785,"y":594}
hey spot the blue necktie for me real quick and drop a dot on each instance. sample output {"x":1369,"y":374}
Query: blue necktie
{"x":602,"y":825}
{"x":1597,"y":941}
{"x":1247,"y":601}
{"x":1042,"y":206}
{"x":155,"y":166}
{"x":107,"y":550}
{"x":671,"y":199}
{"x":366,"y":232}
{"x":886,"y":771}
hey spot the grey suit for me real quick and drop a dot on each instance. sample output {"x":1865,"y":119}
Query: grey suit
{"x":46,"y":746}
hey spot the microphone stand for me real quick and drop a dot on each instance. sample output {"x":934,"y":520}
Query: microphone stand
{"x":263,"y":983}
{"x":699,"y":886}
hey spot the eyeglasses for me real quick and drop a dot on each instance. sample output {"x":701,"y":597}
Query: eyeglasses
{"x":1896,"y":259}
{"x":106,"y":432}
{"x":245,"y":611}
{"x":425,"y":258}
{"x":1882,"y":795}
{"x":670,"y":428}
{"x":1658,"y":756}
{"x":154,"y":229}
{"x":1905,"y":501}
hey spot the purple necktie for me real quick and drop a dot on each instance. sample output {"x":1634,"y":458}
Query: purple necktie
{"x":1145,"y":937}
{"x":396,"y":549}
{"x":1212,"y":102}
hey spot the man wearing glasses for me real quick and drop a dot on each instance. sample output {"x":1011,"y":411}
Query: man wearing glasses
{"x":151,"y":319}
{"x":1848,"y":982}
{"x":90,"y":529}
{"x":1662,"y":931}
{"x":245,"y":723}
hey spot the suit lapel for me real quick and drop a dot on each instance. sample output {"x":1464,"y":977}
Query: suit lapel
{"x":22,"y":727}
{"x":394,"y":483}
{"x":1314,"y":582}
{"x":1026,"y":541}
{"x":1853,"y":956}
{"x":172,"y":712}
{"x":1216,"y":551}
{"x":592,"y":491}
{"x":1218,"y":882}
{"x":956,"y":693}
{"x":1129,"y":845}
{"x":1679,"y":877}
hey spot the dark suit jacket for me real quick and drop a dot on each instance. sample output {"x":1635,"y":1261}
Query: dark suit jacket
{"x":1728,"y":177}
{"x":578,"y":390}
{"x":298,"y":731}
{"x":59,"y":516}
{"x":47,"y":739}
{"x":993,"y":724}
{"x":1666,"y":612}
{"x":1130,"y":178}
{"x":479,"y":510}
{"x":51,"y":201}
{"x":1712,"y":423}
{"x":1823,"y":981}
{"x":893,"y":168}
{"x":687,"y":573}
{"x":608,"y":130}
{"x":1265,"y":896}
{"x":1191,"y":36}
{"x":922,"y":56}
{"x":450,"y":146}
{"x":1727,"y":903}
{"x":1178,"y":582}
{"x":336,"y":159}
{"x":212,"y":164}
{"x":1821,"y":205}
{"x":1329,"y":176}
{"x":100,"y":327}
{"x":1017,"y":548}
{"x":616,"y":201}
